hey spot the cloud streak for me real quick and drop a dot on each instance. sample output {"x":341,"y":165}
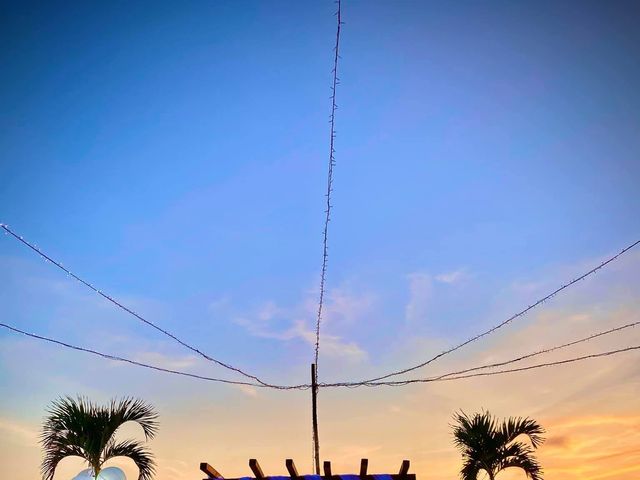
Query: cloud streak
{"x":453,"y":277}
{"x":420,"y":292}
{"x":289,"y":324}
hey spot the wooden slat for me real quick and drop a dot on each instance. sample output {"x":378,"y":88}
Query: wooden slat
{"x":291,"y":468}
{"x":364,"y":464}
{"x":210,"y":471}
{"x":394,"y":476}
{"x":255,"y":468}
{"x":327,"y":468}
{"x":213,"y":474}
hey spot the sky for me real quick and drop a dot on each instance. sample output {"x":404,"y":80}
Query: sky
{"x":175,"y":155}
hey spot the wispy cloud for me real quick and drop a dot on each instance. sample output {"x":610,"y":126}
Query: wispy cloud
{"x":346,"y":307}
{"x":25,"y":434}
{"x":332,"y":345}
{"x":174,"y":362}
{"x":453,"y":277}
{"x":297,"y":323}
{"x":219,"y":303}
{"x":420,"y":292}
{"x":248,"y":390}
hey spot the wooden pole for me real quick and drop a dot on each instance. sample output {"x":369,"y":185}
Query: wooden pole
{"x":314,"y":408}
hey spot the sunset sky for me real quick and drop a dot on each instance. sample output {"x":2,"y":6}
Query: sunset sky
{"x":175,"y":155}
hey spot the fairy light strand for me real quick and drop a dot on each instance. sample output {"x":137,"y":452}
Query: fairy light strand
{"x":507,"y":321}
{"x":332,"y":162}
{"x":117,"y":358}
{"x":445,"y":376}
{"x":397,"y":383}
{"x":128,"y":310}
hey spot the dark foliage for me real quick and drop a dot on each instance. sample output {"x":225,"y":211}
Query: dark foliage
{"x":486,"y":444}
{"x":78,"y":427}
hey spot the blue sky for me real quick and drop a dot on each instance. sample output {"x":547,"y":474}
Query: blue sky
{"x":176,"y":155}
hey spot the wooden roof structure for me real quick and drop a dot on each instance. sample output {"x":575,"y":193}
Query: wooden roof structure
{"x":403,"y":473}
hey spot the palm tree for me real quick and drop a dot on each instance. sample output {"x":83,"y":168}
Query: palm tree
{"x":489,"y":445}
{"x":80,"y":428}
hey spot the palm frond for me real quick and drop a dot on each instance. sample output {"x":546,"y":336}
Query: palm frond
{"x":470,"y":432}
{"x":133,"y":410}
{"x":476,"y":434}
{"x":54,"y":454}
{"x":522,"y":456}
{"x":65,"y":414}
{"x":487,"y":445}
{"x":470,"y":470}
{"x":512,"y":428}
{"x":76,"y":426}
{"x":73,"y":425}
{"x":141,"y":456}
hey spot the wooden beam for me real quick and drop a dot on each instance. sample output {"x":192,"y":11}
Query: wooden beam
{"x":210,"y":471}
{"x":404,"y":469}
{"x":291,"y":468}
{"x":327,"y":468}
{"x":364,"y":464}
{"x":255,"y":468}
{"x":213,"y":474}
{"x":393,"y":476}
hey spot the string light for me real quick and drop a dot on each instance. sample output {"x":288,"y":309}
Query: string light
{"x":332,"y":163}
{"x":130,"y":311}
{"x":457,"y":374}
{"x":373,"y":382}
{"x":149,"y":366}
{"x":508,"y":320}
{"x":396,"y":383}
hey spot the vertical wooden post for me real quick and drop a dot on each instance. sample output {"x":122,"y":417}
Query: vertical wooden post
{"x":364,"y":465}
{"x":327,"y":469}
{"x":314,"y":408}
